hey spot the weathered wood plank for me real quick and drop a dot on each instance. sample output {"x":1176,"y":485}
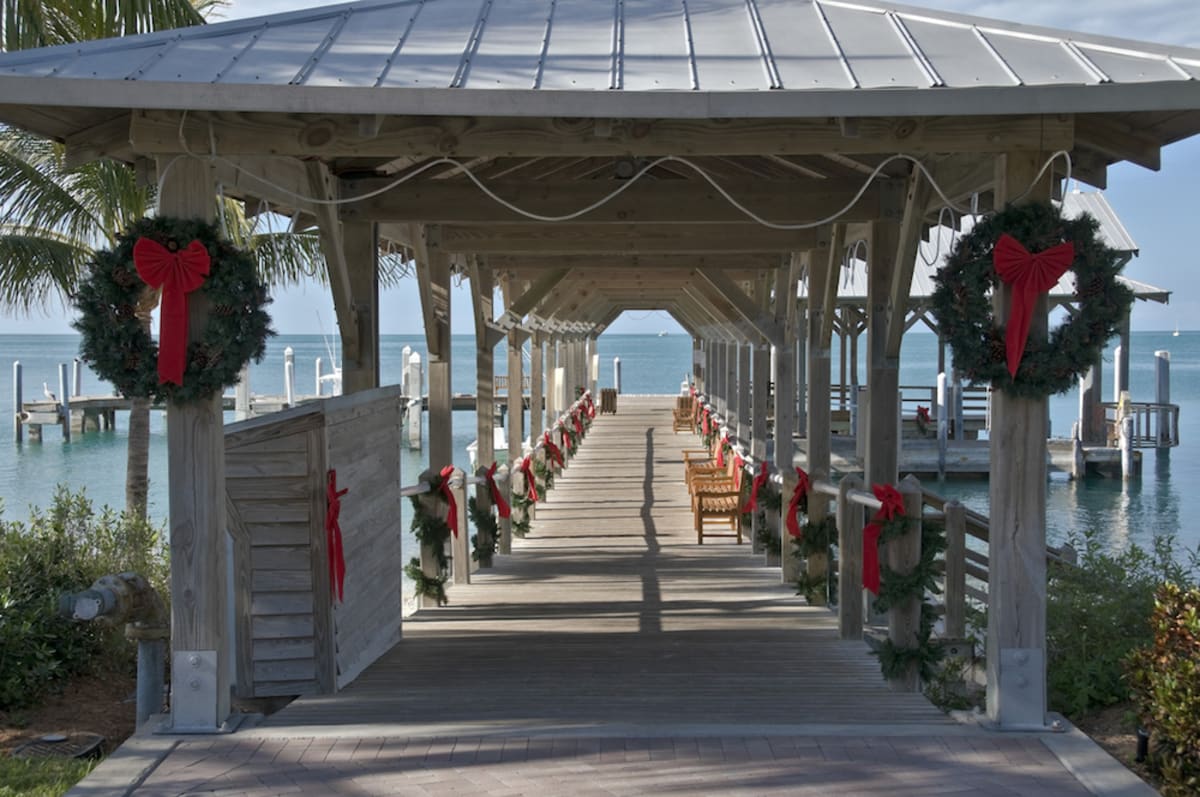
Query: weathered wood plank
{"x":282,"y":626}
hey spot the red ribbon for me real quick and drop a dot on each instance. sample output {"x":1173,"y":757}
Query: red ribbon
{"x":892,"y":507}
{"x":738,"y":465}
{"x":502,"y":507}
{"x":554,"y":451}
{"x":922,"y":414}
{"x":333,"y":533}
{"x":704,"y":426}
{"x":530,"y":484}
{"x":800,"y":494}
{"x":721,"y":451}
{"x":578,"y":423}
{"x":178,"y":273}
{"x":1029,"y":275}
{"x":591,"y":406}
{"x":452,"y":512}
{"x":870,"y":576}
{"x":759,"y":481}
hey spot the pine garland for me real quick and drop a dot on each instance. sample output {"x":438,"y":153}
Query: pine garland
{"x":962,"y":302}
{"x":117,"y":345}
{"x":544,"y":473}
{"x":433,"y":533}
{"x":485,"y":540}
{"x":895,"y":589}
{"x":520,"y":518}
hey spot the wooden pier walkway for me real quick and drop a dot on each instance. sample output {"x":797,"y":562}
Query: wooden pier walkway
{"x":610,"y":654}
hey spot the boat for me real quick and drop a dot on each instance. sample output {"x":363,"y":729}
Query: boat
{"x":662,"y":333}
{"x":1176,"y":332}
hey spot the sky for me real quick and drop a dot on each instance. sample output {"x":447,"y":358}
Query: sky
{"x":1157,"y":208}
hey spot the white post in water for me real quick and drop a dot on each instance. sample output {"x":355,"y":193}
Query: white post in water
{"x":1119,"y":368}
{"x":18,"y":400}
{"x":77,"y":377}
{"x":241,"y":394}
{"x":64,"y":400}
{"x":1162,"y":394}
{"x":405,"y":353}
{"x":617,"y":373}
{"x":289,"y":376}
{"x":1126,"y":442}
{"x":413,"y":416}
{"x":317,"y":391}
{"x":943,"y":425}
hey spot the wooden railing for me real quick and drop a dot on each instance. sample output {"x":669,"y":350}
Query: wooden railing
{"x":500,"y":384}
{"x":1154,"y":425}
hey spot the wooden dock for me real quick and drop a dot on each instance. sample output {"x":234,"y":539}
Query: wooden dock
{"x":609,"y":618}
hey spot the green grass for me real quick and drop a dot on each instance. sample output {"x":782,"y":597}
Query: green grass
{"x":40,"y":777}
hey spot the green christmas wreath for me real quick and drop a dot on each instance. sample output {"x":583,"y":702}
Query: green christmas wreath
{"x":117,"y":344}
{"x":962,"y":303}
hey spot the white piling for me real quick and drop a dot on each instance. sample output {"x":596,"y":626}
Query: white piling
{"x":943,"y":425}
{"x":64,"y":400}
{"x":77,"y":377}
{"x":405,"y":353}
{"x":18,"y":400}
{"x":1127,"y":464}
{"x":1162,"y":394}
{"x":317,"y":391}
{"x":617,"y":373}
{"x":289,"y":376}
{"x":241,"y":394}
{"x":415,"y":379}
{"x":1119,"y":368}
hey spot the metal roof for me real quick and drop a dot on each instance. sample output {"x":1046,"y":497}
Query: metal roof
{"x":822,"y":50}
{"x":852,"y":285}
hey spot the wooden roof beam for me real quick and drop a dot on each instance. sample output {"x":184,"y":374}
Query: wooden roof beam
{"x":1117,"y":141}
{"x":749,"y":310}
{"x":572,"y":238}
{"x":159,"y":131}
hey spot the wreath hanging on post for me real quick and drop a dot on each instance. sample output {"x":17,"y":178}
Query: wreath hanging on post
{"x":178,"y":256}
{"x":1029,"y":247}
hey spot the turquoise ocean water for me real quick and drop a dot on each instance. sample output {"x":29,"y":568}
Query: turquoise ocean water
{"x":1164,"y":499}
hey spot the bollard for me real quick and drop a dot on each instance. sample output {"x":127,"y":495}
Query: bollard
{"x":405,"y":354}
{"x":1162,"y":395}
{"x":18,"y":400}
{"x":943,"y":425}
{"x":317,"y":391}
{"x":415,"y":379}
{"x":289,"y":376}
{"x":617,"y":373}
{"x":1128,"y":466}
{"x":77,"y":377}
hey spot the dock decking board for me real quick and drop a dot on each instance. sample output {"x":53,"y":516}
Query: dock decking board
{"x":609,"y":615}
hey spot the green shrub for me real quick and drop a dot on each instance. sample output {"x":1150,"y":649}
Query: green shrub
{"x":65,"y":549}
{"x":41,"y":777}
{"x":1095,"y":615}
{"x":1165,"y":679}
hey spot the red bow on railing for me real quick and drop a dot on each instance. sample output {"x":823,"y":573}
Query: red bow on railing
{"x":721,"y":451}
{"x":178,"y":273}
{"x":578,"y":423}
{"x":502,"y":507}
{"x":552,"y":450}
{"x":333,"y":533}
{"x":1029,"y":275}
{"x":738,"y":468}
{"x":892,"y":507}
{"x":591,"y":406}
{"x":452,"y":511}
{"x":530,"y":484}
{"x":705,"y":426}
{"x":759,"y":481}
{"x":922,"y":414}
{"x":799,"y":496}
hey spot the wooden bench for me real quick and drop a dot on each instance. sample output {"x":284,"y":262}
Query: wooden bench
{"x":608,"y":401}
{"x":685,"y":414}
{"x":718,"y":498}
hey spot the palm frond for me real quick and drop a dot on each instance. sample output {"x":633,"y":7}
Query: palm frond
{"x":36,"y":269}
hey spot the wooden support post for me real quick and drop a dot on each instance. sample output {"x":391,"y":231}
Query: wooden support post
{"x":200,"y":636}
{"x":1016,"y":650}
{"x":504,"y":486}
{"x":18,"y":401}
{"x":435,"y":505}
{"x":537,"y":407}
{"x":758,"y":397}
{"x":433,"y":284}
{"x":822,"y":292}
{"x":1162,"y":395}
{"x":460,"y":537}
{"x":64,"y":402}
{"x":361,"y":243}
{"x":850,"y":560}
{"x":816,"y":566}
{"x":551,"y":366}
{"x":516,"y":415}
{"x":785,"y":406}
{"x":903,"y":556}
{"x":482,"y":290}
{"x":741,"y":378}
{"x":883,"y":370}
{"x":1091,"y":414}
{"x":956,"y":570}
{"x":1121,"y":361}
{"x":594,"y":368}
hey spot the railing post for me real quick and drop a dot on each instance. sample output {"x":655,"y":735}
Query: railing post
{"x":504,"y":486}
{"x":789,"y":565}
{"x":817,"y":564}
{"x":956,"y":570}
{"x":850,"y":560}
{"x":460,"y":538}
{"x":432,"y":503}
{"x":903,"y":556}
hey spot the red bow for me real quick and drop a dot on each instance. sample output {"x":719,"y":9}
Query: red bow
{"x":704,"y":426}
{"x":892,"y":507}
{"x":502,"y":506}
{"x":759,"y":481}
{"x":721,"y":451}
{"x":922,"y":413}
{"x":1029,"y":275}
{"x":799,"y":495}
{"x":554,"y":451}
{"x":530,"y":484}
{"x":333,"y":533}
{"x":452,"y":512}
{"x":591,"y":406}
{"x":578,"y":423}
{"x":738,"y":464}
{"x":178,"y":273}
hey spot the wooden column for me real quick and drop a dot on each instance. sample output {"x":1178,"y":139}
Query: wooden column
{"x":785,"y":404}
{"x":1091,"y":414}
{"x":551,"y":355}
{"x":850,"y":560}
{"x":200,"y":635}
{"x":537,"y":407}
{"x":516,"y":416}
{"x":593,"y":370}
{"x":1016,"y":645}
{"x":745,"y":371}
{"x":883,"y":372}
{"x":361,"y":242}
{"x":822,"y":291}
{"x":433,"y":283}
{"x":482,"y":291}
{"x":903,"y":555}
{"x":761,"y":368}
{"x":720,"y":374}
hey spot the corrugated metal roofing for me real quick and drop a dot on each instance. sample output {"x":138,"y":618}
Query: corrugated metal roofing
{"x":852,"y":280}
{"x":630,"y":45}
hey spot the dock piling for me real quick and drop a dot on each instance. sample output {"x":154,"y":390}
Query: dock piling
{"x":64,"y":399}
{"x":289,"y":376}
{"x":1162,"y":395}
{"x":617,"y":373}
{"x":77,"y":377}
{"x":18,"y":401}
